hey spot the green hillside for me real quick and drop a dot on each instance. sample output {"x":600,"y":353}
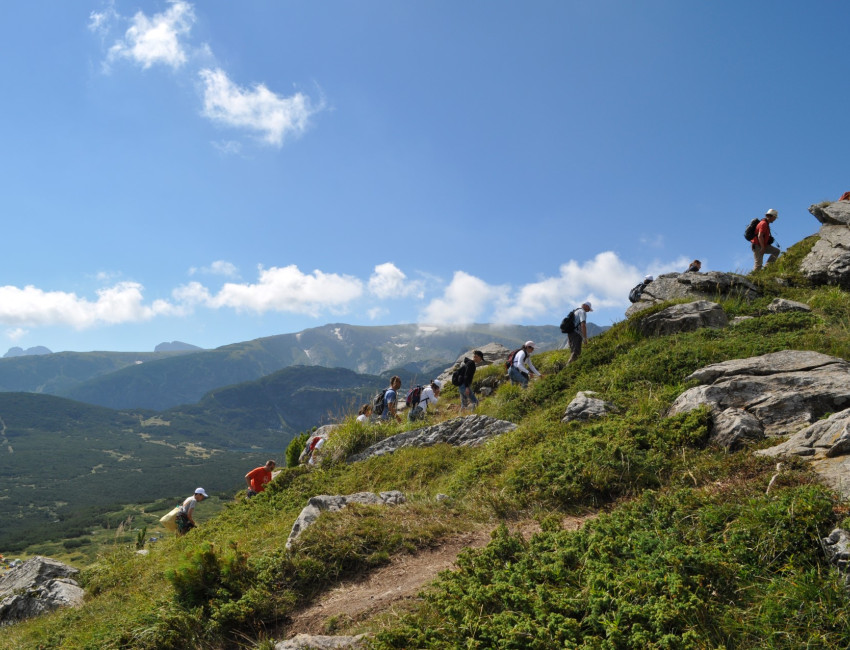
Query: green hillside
{"x":59,"y":371}
{"x":170,"y":382}
{"x":685,"y":548}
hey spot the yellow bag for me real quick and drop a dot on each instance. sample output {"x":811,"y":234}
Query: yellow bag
{"x":169,"y":520}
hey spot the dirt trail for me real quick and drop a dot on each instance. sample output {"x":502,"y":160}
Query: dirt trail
{"x":399,"y":581}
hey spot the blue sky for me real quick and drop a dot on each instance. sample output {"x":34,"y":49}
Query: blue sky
{"x":213,"y":172}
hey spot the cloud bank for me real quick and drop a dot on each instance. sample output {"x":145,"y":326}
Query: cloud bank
{"x":465,"y":299}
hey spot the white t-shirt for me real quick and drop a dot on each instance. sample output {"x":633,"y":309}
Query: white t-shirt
{"x":189,"y":504}
{"x":313,"y":456}
{"x":427,"y":397}
{"x":362,"y":418}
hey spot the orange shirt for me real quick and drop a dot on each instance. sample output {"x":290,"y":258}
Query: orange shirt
{"x":259,"y":477}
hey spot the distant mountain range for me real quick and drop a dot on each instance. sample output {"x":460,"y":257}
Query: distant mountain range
{"x":165,"y":379}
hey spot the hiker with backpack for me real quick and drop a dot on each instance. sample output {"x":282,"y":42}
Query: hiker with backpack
{"x":258,"y":478}
{"x":635,"y":293}
{"x":462,"y":378}
{"x":312,"y":448}
{"x":384,"y":403}
{"x":695,"y":267}
{"x":520,"y":365}
{"x":762,"y":241}
{"x":185,"y":521}
{"x":577,"y":334}
{"x":418,"y":399}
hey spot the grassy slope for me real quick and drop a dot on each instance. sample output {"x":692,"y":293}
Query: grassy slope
{"x":689,"y":551}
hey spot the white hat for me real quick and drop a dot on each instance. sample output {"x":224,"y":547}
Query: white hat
{"x":201,"y":491}
{"x":587,"y":304}
{"x":438,"y":384}
{"x":771,"y":213}
{"x":528,"y":344}
{"x":647,"y":278}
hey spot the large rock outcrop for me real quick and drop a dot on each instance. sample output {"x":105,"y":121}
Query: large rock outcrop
{"x":685,"y":317}
{"x":326,"y":503}
{"x":829,"y":260}
{"x":468,"y":431}
{"x":37,"y":586}
{"x":783,"y":391}
{"x":826,"y":445}
{"x":696,"y":286}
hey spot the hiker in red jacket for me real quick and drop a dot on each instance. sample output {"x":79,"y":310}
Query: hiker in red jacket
{"x":258,"y":477}
{"x":763,"y":242}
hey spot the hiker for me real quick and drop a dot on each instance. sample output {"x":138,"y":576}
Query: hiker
{"x":258,"y":477}
{"x":428,"y":395}
{"x":185,"y":521}
{"x":521,"y":365}
{"x":579,"y":334}
{"x":695,"y":266}
{"x":391,"y":399}
{"x":845,"y":197}
{"x":763,"y":241}
{"x":465,"y":374}
{"x":364,"y":413}
{"x":310,"y":454}
{"x":635,"y":293}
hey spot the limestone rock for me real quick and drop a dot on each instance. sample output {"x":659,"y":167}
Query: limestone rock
{"x":733,"y":428}
{"x":780,"y":305}
{"x":683,"y":318}
{"x":836,"y":546}
{"x":469,"y":431}
{"x":37,"y":586}
{"x":318,"y":642}
{"x":833,"y":214}
{"x":698,"y":286}
{"x":784,"y":391}
{"x":586,"y":406}
{"x":325,"y":503}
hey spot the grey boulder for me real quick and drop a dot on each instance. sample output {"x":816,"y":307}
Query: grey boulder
{"x":586,"y":406}
{"x":37,"y":586}
{"x":683,"y":318}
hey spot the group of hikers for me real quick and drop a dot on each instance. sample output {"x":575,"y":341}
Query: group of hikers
{"x":520,"y":368}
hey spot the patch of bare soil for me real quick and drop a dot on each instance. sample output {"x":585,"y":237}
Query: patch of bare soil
{"x":400,"y":581}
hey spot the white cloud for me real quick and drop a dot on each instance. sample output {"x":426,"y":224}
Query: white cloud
{"x":464,"y":301}
{"x":377,"y":312}
{"x":153,"y":40}
{"x":121,"y":303}
{"x":605,"y":279}
{"x":256,"y":109}
{"x":388,"y":281}
{"x":100,"y":21}
{"x":219,"y":267}
{"x":16,"y":334}
{"x":287,"y":289}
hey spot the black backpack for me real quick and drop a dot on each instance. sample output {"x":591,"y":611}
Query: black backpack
{"x":635,"y":293}
{"x":378,"y":402}
{"x":750,"y":232}
{"x":568,"y":325}
{"x":457,"y":376}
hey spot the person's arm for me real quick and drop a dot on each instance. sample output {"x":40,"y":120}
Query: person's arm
{"x":248,"y":478}
{"x":584,"y":330}
{"x":763,"y":237}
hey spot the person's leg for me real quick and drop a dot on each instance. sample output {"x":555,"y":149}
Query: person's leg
{"x":774,"y":253}
{"x":464,"y":399}
{"x":575,"y":346}
{"x":758,"y":257}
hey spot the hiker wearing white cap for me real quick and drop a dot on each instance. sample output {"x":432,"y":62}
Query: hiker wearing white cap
{"x":428,"y":395}
{"x":521,"y":365}
{"x":185,"y":520}
{"x":579,"y":334}
{"x":762,"y":243}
